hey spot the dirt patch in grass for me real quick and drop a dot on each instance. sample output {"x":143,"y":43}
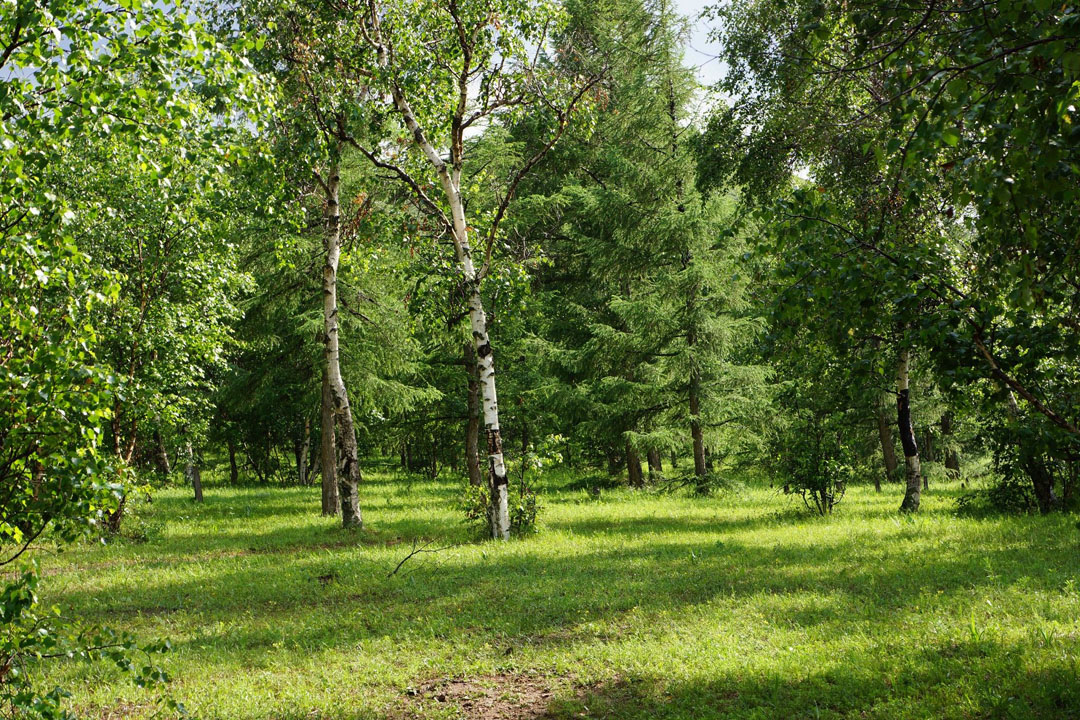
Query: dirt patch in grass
{"x":490,"y":697}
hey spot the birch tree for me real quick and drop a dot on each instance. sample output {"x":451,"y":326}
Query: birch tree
{"x":312,"y":57}
{"x":439,"y":71}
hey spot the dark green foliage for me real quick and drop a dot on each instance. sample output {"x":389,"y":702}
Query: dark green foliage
{"x":813,"y":461}
{"x":1010,"y":493}
{"x":940,"y":151}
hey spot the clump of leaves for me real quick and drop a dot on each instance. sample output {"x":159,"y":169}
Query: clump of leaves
{"x":141,"y":523}
{"x":813,"y":462}
{"x":31,"y":636}
{"x":713,"y":483}
{"x":524,"y":512}
{"x":525,"y":508}
{"x":1006,"y":494}
{"x":474,"y":503}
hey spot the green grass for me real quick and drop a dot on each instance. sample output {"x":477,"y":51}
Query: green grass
{"x":636,"y":605}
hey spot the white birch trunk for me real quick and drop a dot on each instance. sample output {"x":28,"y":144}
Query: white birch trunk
{"x":328,"y":452}
{"x":349,"y":477}
{"x":450,"y":180}
{"x":485,"y":362}
{"x":912,"y":467}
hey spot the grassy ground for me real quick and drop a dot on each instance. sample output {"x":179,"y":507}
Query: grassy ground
{"x":633,"y":605}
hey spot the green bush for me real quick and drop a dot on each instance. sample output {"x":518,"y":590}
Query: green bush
{"x":525,"y":508}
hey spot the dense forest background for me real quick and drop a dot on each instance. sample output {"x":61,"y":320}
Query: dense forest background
{"x":266,"y":243}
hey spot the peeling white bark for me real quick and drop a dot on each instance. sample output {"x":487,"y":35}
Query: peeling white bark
{"x":349,"y":475}
{"x":450,"y":181}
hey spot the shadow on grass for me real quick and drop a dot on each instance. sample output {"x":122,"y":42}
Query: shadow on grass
{"x":984,"y":682}
{"x":305,"y":584}
{"x":519,"y":595}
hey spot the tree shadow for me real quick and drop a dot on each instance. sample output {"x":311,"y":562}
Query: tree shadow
{"x":985,"y":680}
{"x":269,"y":595}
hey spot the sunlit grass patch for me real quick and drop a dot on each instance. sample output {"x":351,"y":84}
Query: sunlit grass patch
{"x":633,"y":605}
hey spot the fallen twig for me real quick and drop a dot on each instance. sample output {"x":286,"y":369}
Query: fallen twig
{"x":425,"y":548}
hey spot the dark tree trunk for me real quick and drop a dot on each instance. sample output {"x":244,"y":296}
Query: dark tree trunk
{"x":912,"y":468}
{"x":952,"y":455}
{"x":1042,"y":480}
{"x":234,"y":471}
{"x":302,"y":452}
{"x":633,"y":468}
{"x":116,"y":517}
{"x":434,"y":465}
{"x":524,"y":453}
{"x":656,"y":467}
{"x":194,"y":473}
{"x":696,"y":433}
{"x":888,"y":448}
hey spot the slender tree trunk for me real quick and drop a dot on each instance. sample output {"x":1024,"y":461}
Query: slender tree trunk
{"x":633,"y":468}
{"x":450,"y":180}
{"x":234,"y":470}
{"x":349,"y":476}
{"x":656,"y":466}
{"x":472,"y":425}
{"x":328,"y":452}
{"x":1042,"y":480}
{"x":434,"y":458}
{"x":674,"y":459}
{"x":952,"y":455}
{"x":302,"y":454}
{"x":161,"y":455}
{"x":193,"y":472}
{"x":695,"y":428}
{"x":888,"y":448}
{"x":499,"y":512}
{"x":912,"y":469}
{"x":497,"y":481}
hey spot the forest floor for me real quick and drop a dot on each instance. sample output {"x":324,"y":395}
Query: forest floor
{"x":627,"y":605}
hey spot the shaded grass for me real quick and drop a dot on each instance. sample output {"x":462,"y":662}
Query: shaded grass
{"x":647,"y":606}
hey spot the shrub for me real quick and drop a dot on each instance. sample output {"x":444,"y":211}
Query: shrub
{"x":31,"y":636}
